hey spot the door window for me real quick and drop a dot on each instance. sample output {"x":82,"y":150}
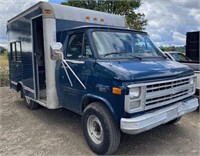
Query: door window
{"x":78,"y":47}
{"x":87,"y":53}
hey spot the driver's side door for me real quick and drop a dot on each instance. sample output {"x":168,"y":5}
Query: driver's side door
{"x":78,"y":56}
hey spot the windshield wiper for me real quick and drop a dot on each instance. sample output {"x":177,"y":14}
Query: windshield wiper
{"x":162,"y":55}
{"x":140,"y":58}
{"x":119,"y":53}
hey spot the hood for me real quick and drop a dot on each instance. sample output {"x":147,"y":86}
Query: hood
{"x":142,"y":70}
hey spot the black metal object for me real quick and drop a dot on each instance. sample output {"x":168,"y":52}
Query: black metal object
{"x":193,"y":45}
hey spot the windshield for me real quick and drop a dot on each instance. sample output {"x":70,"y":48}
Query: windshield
{"x":115,"y":44}
{"x":180,"y":57}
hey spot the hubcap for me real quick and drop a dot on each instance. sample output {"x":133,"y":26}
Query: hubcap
{"x":95,"y":129}
{"x":28,"y":100}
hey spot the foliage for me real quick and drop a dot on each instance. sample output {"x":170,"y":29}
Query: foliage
{"x":5,"y":55}
{"x":4,"y":60}
{"x":120,"y":7}
{"x":4,"y":71}
{"x":4,"y":76}
{"x":2,"y":50}
{"x":173,"y":48}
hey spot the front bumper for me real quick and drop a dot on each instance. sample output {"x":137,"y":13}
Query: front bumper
{"x":157,"y":117}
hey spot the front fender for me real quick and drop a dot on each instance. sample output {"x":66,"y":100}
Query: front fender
{"x":89,"y":98}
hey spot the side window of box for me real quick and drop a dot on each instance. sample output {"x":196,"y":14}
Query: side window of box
{"x":16,"y":51}
{"x":19,"y":51}
{"x":13,"y":53}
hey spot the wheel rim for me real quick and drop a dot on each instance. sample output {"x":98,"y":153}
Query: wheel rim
{"x":28,"y":100}
{"x":95,"y":129}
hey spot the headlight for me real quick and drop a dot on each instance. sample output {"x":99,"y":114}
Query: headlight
{"x":134,"y":92}
{"x":134,"y":104}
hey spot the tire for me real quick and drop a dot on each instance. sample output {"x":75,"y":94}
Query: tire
{"x":30,"y":104}
{"x":173,"y":121}
{"x":22,"y":93}
{"x":100,"y":131}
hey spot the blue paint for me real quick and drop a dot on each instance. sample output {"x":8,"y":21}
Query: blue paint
{"x":97,"y":72}
{"x":22,"y":71}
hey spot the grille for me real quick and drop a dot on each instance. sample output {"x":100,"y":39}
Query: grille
{"x":160,"y":94}
{"x":168,"y":85}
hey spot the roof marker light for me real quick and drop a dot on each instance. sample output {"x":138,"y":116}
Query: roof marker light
{"x":102,"y":20}
{"x":87,"y":17}
{"x":95,"y":19}
{"x":47,"y":11}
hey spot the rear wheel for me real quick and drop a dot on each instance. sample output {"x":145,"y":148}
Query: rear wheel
{"x":100,"y":131}
{"x":30,"y":104}
{"x":173,"y":121}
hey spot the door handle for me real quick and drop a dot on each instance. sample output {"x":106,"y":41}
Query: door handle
{"x":63,"y":67}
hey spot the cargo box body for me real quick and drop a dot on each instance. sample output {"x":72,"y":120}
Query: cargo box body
{"x":30,"y":35}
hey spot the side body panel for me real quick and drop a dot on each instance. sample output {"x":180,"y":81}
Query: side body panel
{"x":22,"y":71}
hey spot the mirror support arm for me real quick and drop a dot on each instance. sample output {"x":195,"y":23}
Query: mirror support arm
{"x":57,"y":54}
{"x":67,"y":74}
{"x":63,"y":61}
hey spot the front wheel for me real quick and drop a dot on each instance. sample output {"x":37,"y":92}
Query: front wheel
{"x":100,"y":131}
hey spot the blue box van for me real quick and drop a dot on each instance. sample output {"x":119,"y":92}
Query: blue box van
{"x":88,"y":62}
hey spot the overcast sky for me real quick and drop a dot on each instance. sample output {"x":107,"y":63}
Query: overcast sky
{"x":168,"y":20}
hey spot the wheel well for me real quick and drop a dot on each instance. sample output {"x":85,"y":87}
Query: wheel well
{"x":87,"y":101}
{"x":19,"y":87}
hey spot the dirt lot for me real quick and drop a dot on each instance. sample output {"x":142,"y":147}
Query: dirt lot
{"x":58,"y":132}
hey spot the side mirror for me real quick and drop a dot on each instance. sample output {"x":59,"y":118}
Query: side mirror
{"x":56,"y":51}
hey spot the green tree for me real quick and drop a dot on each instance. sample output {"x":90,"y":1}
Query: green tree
{"x":120,"y":7}
{"x":173,"y":48}
{"x":2,"y":50}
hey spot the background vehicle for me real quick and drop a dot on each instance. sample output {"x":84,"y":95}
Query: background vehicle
{"x":89,"y":63}
{"x":180,"y":57}
{"x":177,"y":56}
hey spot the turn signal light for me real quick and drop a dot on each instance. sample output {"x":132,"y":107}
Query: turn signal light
{"x":117,"y":91}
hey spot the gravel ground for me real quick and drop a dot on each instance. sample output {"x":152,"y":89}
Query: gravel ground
{"x":58,"y":132}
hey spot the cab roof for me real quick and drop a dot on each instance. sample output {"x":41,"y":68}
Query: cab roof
{"x":103,"y":27}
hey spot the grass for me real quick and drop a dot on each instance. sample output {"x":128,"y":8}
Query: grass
{"x":4,"y":60}
{"x":4,"y":70}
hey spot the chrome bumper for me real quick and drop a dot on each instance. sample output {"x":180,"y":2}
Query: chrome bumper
{"x":155,"y":118}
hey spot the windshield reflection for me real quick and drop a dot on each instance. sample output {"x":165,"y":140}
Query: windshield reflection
{"x":114,"y":44}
